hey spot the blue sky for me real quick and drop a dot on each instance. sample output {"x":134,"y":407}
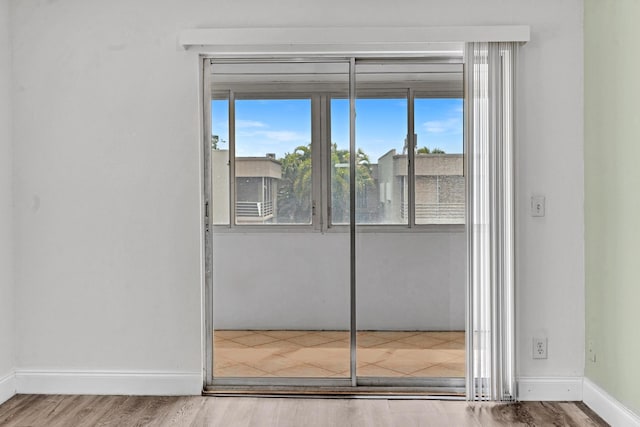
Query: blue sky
{"x":279,"y":126}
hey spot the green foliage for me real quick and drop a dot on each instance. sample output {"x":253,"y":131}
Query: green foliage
{"x":340,"y":181}
{"x":294,"y":189}
{"x":426,"y":150}
{"x":215,"y":140}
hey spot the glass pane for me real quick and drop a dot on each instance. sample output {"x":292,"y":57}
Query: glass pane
{"x":281,"y":306}
{"x":381,"y":149}
{"x":440,"y":185}
{"x":220,"y":161}
{"x":410,"y":293}
{"x":339,"y":161}
{"x":380,"y":166}
{"x":273,"y":161}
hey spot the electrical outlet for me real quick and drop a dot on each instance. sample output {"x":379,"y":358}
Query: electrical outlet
{"x":539,"y":348}
{"x":537,"y":206}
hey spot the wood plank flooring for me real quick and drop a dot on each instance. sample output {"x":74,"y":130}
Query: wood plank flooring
{"x":70,"y":411}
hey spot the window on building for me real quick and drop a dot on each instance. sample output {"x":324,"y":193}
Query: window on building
{"x":439,"y":173}
{"x":273,"y":167}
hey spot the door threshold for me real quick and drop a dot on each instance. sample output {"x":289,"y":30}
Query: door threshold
{"x":435,"y":393}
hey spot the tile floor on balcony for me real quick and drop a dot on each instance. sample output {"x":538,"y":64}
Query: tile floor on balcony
{"x":282,"y":353}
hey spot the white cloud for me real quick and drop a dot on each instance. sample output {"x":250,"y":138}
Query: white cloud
{"x":443,"y":126}
{"x":281,"y":135}
{"x":243,"y":124}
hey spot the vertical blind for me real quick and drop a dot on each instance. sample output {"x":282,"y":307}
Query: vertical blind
{"x":489,"y":85}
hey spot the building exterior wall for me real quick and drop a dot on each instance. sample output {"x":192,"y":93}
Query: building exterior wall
{"x":439,"y":182}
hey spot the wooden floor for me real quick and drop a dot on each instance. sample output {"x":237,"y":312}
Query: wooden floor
{"x":68,"y":411}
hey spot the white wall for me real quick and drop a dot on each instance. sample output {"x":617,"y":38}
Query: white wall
{"x":107,"y":160}
{"x":6,"y":264}
{"x":301,"y":281}
{"x":550,"y":162}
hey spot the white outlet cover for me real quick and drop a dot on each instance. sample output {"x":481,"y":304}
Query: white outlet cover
{"x":539,"y":348}
{"x":537,"y":206}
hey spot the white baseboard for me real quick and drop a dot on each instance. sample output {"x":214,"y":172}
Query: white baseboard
{"x":108,"y":382}
{"x":7,"y":387}
{"x":610,"y":409}
{"x":550,"y":388}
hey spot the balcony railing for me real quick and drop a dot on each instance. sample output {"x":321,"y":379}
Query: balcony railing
{"x":436,"y":213}
{"x":254,"y":209}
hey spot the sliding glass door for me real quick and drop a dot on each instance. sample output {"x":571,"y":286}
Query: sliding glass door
{"x":410,"y":242}
{"x":335,"y":204}
{"x":280,"y":309}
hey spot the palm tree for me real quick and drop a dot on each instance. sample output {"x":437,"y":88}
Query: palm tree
{"x":294,"y":191}
{"x":340,"y":181}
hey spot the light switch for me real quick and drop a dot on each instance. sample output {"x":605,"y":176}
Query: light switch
{"x":537,"y":206}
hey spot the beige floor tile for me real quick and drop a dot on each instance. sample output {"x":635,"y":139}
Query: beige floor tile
{"x":372,"y":355}
{"x":368,"y":340}
{"x":273,"y":363}
{"x":335,"y":366}
{"x":227,"y":344}
{"x":459,"y":359}
{"x":446,"y":335}
{"x":442,"y":370}
{"x":336,"y":335}
{"x":239,"y":370}
{"x":335,"y":360}
{"x":326,"y":353}
{"x":377,"y":371}
{"x":320,"y":354}
{"x":254,"y":339}
{"x":390,"y":335}
{"x":454,"y":353}
{"x":227,"y":353}
{"x":228,"y":334}
{"x":245,"y":355}
{"x":361,"y":363}
{"x":439,"y":356}
{"x":304,"y":371}
{"x":221,"y":363}
{"x":405,"y":366}
{"x":396,"y":345}
{"x":450,"y":345}
{"x":283,"y":335}
{"x":311,"y":339}
{"x":407,"y":361}
{"x":280,"y":347}
{"x":423,"y":340}
{"x":340,"y":344}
